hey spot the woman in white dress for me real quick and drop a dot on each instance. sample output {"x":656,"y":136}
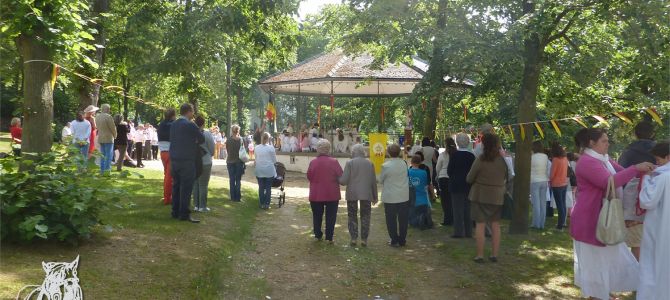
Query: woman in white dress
{"x":600,"y":269}
{"x":654,"y":259}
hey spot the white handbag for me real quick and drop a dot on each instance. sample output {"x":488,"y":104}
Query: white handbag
{"x":611,"y":225}
{"x":244,"y":157}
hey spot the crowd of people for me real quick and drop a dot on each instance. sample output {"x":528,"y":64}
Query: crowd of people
{"x":471,"y":178}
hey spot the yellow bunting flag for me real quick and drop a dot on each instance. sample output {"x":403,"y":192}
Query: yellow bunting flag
{"x":54,"y":74}
{"x":539,"y":130}
{"x":523,"y":132}
{"x":511,"y":132}
{"x":601,"y":120}
{"x":378,"y":150}
{"x":623,"y":118}
{"x":654,"y":115}
{"x":579,"y":121}
{"x":555,"y":125}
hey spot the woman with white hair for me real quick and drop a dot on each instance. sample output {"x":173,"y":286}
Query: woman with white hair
{"x":324,"y":189}
{"x":458,"y":168}
{"x":359,"y":177}
{"x":265,"y":169}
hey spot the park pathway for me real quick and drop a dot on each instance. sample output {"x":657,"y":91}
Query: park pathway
{"x":283,"y":261}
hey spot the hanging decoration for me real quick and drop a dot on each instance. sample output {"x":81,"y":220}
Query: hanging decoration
{"x":623,"y":118}
{"x":601,"y":120}
{"x":539,"y":130}
{"x":523,"y":132}
{"x":580,"y":122}
{"x":270,"y":109}
{"x":654,"y":115}
{"x":465,"y":112}
{"x":555,"y":125}
{"x":55,"y":70}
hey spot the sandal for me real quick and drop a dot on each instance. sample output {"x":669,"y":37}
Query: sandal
{"x":493,"y":259}
{"x":479,"y":260}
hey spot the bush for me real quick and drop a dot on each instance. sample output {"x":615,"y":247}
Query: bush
{"x":48,"y":197}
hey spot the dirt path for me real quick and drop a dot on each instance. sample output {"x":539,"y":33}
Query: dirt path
{"x":292,"y":265}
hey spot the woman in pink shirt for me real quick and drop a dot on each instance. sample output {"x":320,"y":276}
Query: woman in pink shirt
{"x":599,"y":269}
{"x":324,"y":189}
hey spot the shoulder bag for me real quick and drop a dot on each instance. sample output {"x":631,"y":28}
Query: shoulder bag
{"x":611,"y":226}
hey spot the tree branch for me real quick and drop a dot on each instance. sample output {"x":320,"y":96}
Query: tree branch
{"x":571,"y":43}
{"x":562,"y":32}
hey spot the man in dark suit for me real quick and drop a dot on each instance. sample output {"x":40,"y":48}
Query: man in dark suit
{"x":185,"y":138}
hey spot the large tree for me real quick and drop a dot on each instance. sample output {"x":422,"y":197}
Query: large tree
{"x":44,"y":31}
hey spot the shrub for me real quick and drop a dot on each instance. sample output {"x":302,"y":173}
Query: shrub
{"x":52,"y":197}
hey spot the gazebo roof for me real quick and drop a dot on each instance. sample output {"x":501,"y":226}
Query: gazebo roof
{"x":337,"y":74}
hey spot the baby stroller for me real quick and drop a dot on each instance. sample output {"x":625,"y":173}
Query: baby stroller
{"x":278,"y":182}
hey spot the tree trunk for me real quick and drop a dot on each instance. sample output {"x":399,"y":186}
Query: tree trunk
{"x":533,"y":52}
{"x":126,"y":90}
{"x":89,"y":93}
{"x":229,"y":101}
{"x":37,"y":94}
{"x":240,"y":107}
{"x":436,"y":72}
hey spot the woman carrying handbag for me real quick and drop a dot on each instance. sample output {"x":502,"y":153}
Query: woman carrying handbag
{"x":600,"y":269}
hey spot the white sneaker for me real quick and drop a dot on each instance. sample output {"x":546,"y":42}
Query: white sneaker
{"x":196,"y":209}
{"x":205,"y":209}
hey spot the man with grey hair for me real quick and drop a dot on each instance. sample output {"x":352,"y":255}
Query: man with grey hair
{"x":106,"y":135}
{"x":458,"y":168}
{"x":359,"y":177}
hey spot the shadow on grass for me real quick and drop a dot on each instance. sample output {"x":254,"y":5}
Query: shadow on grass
{"x":141,"y":249}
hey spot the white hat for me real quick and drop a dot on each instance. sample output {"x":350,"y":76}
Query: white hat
{"x":91,"y":108}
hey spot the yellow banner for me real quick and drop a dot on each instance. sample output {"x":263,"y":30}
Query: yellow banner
{"x":558,"y":130}
{"x":654,"y":115}
{"x":378,"y":150}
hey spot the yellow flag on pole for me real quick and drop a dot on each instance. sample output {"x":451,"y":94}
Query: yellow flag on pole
{"x":378,"y":150}
{"x":555,"y":125}
{"x":539,"y":130}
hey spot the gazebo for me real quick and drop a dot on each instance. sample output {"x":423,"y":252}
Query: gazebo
{"x":337,"y":74}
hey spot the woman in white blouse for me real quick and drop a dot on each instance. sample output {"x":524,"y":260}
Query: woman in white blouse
{"x":265,"y":169}
{"x":539,"y":183}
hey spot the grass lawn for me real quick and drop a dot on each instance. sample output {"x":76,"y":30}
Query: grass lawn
{"x":144,"y":253}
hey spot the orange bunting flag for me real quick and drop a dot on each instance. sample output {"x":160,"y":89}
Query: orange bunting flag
{"x":580,"y":122}
{"x":54,"y":74}
{"x":601,"y":120}
{"x":654,"y":115}
{"x":555,"y":125}
{"x":623,"y":118}
{"x":539,"y":130}
{"x":523,"y":132}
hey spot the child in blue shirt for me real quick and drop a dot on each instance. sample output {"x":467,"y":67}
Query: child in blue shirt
{"x":420,"y":212}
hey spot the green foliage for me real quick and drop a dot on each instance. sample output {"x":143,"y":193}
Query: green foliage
{"x":54,"y":200}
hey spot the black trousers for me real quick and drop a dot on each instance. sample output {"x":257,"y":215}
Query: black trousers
{"x":461,"y":210}
{"x":138,"y":153}
{"x":183,"y":178}
{"x":154,"y":151}
{"x":330,"y":208}
{"x":397,"y":217}
{"x":445,"y":200}
{"x":147,"y":150}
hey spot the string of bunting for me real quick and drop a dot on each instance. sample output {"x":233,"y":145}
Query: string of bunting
{"x":96,"y":81}
{"x":507,"y":130}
